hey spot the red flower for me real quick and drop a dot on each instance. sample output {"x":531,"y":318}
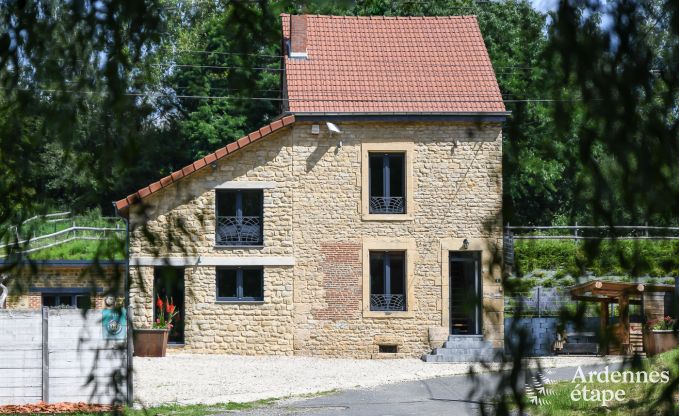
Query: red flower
{"x":169,"y":307}
{"x":159,"y":303}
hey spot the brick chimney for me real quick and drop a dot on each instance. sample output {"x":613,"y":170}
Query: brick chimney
{"x":298,"y":36}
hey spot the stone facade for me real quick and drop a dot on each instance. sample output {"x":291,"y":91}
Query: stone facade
{"x":316,"y":233}
{"x":28,"y":286}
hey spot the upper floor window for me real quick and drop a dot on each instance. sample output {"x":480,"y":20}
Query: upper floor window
{"x":239,"y":217}
{"x":387,"y":281}
{"x":387,"y":183}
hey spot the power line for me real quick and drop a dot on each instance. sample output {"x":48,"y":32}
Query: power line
{"x":317,"y":100}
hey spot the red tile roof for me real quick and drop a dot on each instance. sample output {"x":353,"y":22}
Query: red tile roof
{"x":229,"y":149}
{"x":390,"y":64}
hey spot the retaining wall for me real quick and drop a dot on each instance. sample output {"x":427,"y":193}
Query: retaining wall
{"x":542,"y":332}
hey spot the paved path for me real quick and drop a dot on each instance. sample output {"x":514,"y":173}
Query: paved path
{"x":209,"y":379}
{"x":456,"y":395}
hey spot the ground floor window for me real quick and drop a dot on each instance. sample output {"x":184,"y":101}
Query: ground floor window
{"x":240,"y":284}
{"x":73,"y":300}
{"x":387,"y":281}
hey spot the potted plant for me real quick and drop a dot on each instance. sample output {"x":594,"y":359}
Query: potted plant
{"x":660,"y":336}
{"x":152,"y":342}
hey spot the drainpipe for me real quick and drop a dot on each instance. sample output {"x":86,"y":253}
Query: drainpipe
{"x":126,"y":285}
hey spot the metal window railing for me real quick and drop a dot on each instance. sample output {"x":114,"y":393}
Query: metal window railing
{"x":239,"y":230}
{"x":387,"y":205}
{"x":384,"y":302}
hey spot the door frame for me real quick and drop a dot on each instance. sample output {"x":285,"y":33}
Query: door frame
{"x":182,"y":310}
{"x":491,"y":276}
{"x":475,"y":257}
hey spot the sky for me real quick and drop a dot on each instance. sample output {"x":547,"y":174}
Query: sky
{"x":544,"y":5}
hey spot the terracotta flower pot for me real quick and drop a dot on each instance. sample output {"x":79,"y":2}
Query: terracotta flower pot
{"x":659,"y":341}
{"x":150,"y":342}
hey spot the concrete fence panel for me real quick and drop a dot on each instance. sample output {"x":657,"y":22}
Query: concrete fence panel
{"x":60,"y":355}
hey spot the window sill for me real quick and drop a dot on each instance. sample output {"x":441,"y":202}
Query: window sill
{"x":239,"y":302}
{"x":388,"y":217}
{"x":387,"y":314}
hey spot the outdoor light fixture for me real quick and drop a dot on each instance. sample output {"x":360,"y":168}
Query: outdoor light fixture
{"x":213,"y":165}
{"x":333,"y":128}
{"x":465,"y":244}
{"x":315,"y":129}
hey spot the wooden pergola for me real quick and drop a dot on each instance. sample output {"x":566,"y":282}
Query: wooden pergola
{"x":621,"y":293}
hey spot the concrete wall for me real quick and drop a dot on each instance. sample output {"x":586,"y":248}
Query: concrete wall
{"x":75,"y":351}
{"x":316,"y":234}
{"x":542,"y":332}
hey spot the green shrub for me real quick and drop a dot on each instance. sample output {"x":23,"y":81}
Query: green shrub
{"x":657,"y":258}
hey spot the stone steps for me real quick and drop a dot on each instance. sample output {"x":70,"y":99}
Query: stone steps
{"x":462,"y":348}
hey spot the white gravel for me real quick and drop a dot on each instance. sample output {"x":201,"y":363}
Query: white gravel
{"x":211,"y":379}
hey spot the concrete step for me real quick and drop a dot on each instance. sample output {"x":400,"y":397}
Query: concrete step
{"x":453,"y":338}
{"x":454,"y":351}
{"x":462,"y":348}
{"x":467,"y":344}
{"x":484,"y":355}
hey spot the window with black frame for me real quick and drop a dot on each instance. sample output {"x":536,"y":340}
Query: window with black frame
{"x":239,"y":217}
{"x":243,"y":284}
{"x":387,"y":281}
{"x":387,"y":183}
{"x":67,"y":300}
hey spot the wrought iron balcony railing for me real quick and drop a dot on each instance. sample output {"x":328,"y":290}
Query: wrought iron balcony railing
{"x":387,"y":302}
{"x":387,"y":205}
{"x":235,"y":231}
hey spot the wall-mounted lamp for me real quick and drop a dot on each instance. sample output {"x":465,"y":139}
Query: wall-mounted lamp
{"x":315,"y":129}
{"x":465,"y":244}
{"x":333,"y":128}
{"x":213,"y":165}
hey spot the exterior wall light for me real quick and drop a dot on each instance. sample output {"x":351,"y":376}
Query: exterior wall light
{"x":465,"y":244}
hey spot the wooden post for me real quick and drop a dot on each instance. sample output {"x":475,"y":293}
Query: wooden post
{"x":624,"y":318}
{"x":603,"y":322}
{"x":45,"y":356}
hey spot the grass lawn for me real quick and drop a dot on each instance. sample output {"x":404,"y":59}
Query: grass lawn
{"x":113,"y":248}
{"x":639,"y":398}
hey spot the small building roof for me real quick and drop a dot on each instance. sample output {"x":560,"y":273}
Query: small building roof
{"x":607,"y":291}
{"x":377,"y":64}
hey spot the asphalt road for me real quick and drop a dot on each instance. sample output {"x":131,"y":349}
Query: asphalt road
{"x":457,"y":395}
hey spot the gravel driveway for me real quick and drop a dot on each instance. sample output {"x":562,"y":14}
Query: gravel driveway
{"x":211,"y":379}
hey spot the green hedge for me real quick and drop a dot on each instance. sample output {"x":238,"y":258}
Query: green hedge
{"x":654,"y":258}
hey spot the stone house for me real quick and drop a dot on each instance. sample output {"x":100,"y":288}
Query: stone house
{"x":365,"y":221}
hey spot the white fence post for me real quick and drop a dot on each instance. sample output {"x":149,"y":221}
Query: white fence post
{"x":45,"y":356}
